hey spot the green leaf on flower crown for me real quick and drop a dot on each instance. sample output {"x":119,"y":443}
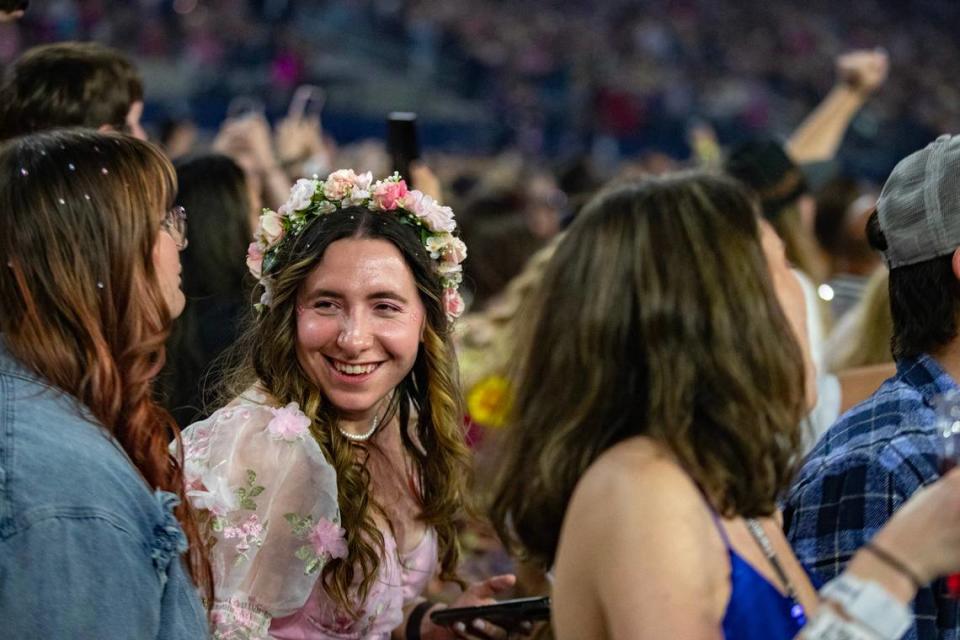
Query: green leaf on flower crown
{"x":291,"y":519}
{"x":218,"y":524}
{"x":269,"y":259}
{"x":251,"y":477}
{"x":255,"y":491}
{"x":248,"y":504}
{"x":242,"y":492}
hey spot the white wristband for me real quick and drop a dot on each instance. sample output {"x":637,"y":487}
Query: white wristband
{"x":870,"y":605}
{"x":828,"y":625}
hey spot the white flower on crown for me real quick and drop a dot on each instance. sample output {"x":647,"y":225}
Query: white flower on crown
{"x":446,"y":247}
{"x":266,"y":299}
{"x":301,"y":195}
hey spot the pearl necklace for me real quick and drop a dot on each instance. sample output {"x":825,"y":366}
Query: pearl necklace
{"x":362,"y":437}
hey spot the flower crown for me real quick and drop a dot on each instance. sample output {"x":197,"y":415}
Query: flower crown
{"x":312,"y":197}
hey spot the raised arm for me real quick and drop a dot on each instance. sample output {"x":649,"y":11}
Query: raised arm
{"x":859,"y":74}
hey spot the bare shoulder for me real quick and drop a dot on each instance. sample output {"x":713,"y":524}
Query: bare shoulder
{"x":639,"y":554}
{"x":640,"y":473}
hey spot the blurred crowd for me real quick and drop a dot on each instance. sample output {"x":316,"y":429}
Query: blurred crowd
{"x":547,"y":77}
{"x":686,"y":303}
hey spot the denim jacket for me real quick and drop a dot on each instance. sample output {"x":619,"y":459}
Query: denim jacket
{"x":87,"y":549}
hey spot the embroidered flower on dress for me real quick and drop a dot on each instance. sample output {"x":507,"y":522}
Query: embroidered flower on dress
{"x":208,"y":490}
{"x":288,"y":423}
{"x":247,"y":534}
{"x":328,"y":538}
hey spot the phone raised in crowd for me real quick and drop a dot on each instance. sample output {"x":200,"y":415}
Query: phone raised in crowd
{"x":402,"y":144}
{"x":508,"y":614}
{"x":307,"y":102}
{"x":245,"y":106}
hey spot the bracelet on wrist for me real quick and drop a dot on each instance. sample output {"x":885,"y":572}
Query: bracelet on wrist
{"x":415,"y":620}
{"x":894,"y":563}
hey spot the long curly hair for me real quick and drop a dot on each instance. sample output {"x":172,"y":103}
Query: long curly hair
{"x":428,"y":399}
{"x":655,"y":317}
{"x":82,"y":303}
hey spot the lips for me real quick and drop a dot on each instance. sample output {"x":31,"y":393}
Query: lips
{"x":352,"y":372}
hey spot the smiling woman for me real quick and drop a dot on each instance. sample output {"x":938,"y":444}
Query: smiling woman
{"x":359,"y":323}
{"x":333,"y":479}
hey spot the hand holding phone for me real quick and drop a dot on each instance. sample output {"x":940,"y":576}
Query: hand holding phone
{"x":508,"y":614}
{"x":307,"y":102}
{"x":245,"y":106}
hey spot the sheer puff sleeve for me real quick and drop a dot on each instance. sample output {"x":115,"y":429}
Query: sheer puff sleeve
{"x":267,"y":503}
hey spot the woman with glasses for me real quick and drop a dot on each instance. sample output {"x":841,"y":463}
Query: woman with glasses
{"x":96,"y":540}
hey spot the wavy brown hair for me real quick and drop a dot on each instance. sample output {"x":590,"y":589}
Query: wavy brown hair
{"x":428,"y":402}
{"x":656,"y":317}
{"x":82,"y":304}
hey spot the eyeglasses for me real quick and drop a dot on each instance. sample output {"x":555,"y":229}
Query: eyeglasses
{"x":175,"y":223}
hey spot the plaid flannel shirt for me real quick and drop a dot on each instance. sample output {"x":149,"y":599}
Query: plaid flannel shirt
{"x":861,"y":471}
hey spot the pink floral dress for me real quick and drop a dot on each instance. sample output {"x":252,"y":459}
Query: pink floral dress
{"x":267,"y":499}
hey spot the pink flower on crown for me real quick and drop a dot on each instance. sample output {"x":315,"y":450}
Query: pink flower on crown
{"x":436,"y":216}
{"x":289,"y":423}
{"x":452,"y":303}
{"x":255,"y":259}
{"x":413,"y":202}
{"x":271,"y":227}
{"x":328,"y":538}
{"x":457,"y":252}
{"x":340,"y":183}
{"x":387,"y":195}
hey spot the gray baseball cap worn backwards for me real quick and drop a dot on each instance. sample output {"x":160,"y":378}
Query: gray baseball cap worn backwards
{"x":919,"y":207}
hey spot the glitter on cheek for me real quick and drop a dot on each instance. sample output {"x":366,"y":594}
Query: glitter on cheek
{"x":86,"y":196}
{"x":72,"y":167}
{"x":24,"y":172}
{"x":61,"y":201}
{"x":104,"y":171}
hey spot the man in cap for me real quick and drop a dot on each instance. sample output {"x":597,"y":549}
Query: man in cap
{"x":889,"y":446}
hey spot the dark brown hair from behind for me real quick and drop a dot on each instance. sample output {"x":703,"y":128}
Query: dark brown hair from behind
{"x":924,"y":300}
{"x":68,"y":84}
{"x":655,"y":317}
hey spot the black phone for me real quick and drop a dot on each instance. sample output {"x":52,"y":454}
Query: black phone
{"x":307,"y":102}
{"x":402,"y":144}
{"x":506,"y":613}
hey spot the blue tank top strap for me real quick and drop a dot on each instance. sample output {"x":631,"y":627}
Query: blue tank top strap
{"x":716,"y":519}
{"x":756,"y":609}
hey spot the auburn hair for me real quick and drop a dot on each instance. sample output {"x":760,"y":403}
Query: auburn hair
{"x":82,"y":303}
